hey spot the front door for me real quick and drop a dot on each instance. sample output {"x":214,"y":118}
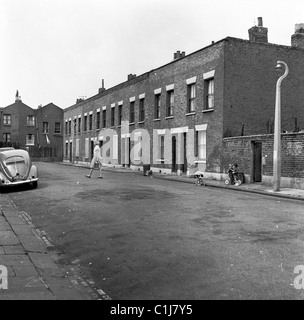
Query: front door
{"x":92,"y":149}
{"x":257,"y":162}
{"x":185,"y":166}
{"x":173,"y":154}
{"x":71,"y":152}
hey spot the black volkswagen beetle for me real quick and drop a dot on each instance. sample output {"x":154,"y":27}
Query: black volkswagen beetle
{"x":16,"y":168}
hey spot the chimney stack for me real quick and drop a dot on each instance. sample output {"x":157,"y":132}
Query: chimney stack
{"x":102,"y":89}
{"x":258,"y":33}
{"x":131,"y":76}
{"x":178,"y":55}
{"x":17,"y":97}
{"x":297,"y":39}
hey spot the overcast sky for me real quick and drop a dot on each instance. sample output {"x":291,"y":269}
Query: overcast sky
{"x":60,"y":50}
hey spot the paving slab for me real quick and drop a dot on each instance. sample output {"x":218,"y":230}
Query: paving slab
{"x":33,"y":272}
{"x":16,"y":249}
{"x":8,"y":237}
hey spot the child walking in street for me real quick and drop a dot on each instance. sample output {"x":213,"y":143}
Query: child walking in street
{"x":96,"y":159}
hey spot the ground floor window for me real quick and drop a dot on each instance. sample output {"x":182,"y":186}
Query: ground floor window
{"x":30,"y":140}
{"x":201,"y":145}
{"x":6,"y":137}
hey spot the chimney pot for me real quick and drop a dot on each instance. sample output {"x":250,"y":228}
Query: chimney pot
{"x":258,"y":33}
{"x":297,"y":39}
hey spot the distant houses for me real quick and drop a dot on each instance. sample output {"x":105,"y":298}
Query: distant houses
{"x":40,"y":130}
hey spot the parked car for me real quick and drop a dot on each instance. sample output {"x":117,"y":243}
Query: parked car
{"x":16,"y":168}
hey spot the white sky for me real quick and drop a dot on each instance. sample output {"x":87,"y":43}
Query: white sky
{"x":59,"y":50}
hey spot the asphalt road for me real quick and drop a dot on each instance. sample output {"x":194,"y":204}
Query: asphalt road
{"x":145,"y":238}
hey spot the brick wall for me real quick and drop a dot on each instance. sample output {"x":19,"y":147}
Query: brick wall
{"x":239,"y":149}
{"x":175,"y":72}
{"x":250,"y":85}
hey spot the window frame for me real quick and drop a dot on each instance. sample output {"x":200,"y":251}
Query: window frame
{"x":157,"y":105}
{"x":112,"y":116}
{"x":191,"y":97}
{"x":142,"y":109}
{"x":30,"y":121}
{"x":7,"y":119}
{"x":6,"y":136}
{"x":30,"y":142}
{"x":104,"y":118}
{"x":56,"y":131}
{"x":45,"y":127}
{"x":170,"y":103}
{"x":132,"y":112}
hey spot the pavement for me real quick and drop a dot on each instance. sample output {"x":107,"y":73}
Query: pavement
{"x":29,"y":268}
{"x":28,"y":263}
{"x":258,"y":188}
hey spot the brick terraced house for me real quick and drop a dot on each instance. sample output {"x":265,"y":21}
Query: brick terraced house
{"x":33,"y":129}
{"x":188,"y":107}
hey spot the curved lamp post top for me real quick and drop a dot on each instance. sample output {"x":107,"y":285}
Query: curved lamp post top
{"x":279,"y":66}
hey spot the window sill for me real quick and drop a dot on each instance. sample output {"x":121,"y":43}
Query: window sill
{"x":158,"y":119}
{"x":141,"y":122}
{"x":132,"y":124}
{"x":119,"y":126}
{"x":160,"y":160}
{"x":169,"y":117}
{"x":200,"y":161}
{"x":190,"y":114}
{"x":208,"y":110}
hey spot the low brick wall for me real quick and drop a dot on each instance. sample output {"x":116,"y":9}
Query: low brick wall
{"x":239,"y":150}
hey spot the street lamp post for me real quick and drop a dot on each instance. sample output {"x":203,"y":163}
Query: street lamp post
{"x":277,"y":129}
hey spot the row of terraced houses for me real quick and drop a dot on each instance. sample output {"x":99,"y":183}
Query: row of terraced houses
{"x":200,"y":111}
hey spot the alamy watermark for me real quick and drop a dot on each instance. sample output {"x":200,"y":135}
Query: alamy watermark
{"x":164,"y":141}
{"x":3,"y":277}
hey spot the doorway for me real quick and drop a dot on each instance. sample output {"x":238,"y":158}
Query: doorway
{"x":174,"y":154}
{"x":257,"y":161}
{"x":185,"y":165}
{"x":71,"y":152}
{"x":92,"y":149}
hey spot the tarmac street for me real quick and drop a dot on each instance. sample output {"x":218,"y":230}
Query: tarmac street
{"x":137,"y":237}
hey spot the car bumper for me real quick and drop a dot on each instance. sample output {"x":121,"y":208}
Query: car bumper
{"x":16,"y":183}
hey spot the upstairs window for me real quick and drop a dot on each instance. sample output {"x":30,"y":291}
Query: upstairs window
{"x":31,"y":121}
{"x":157,"y":106}
{"x":91,"y":122}
{"x":70,"y":126}
{"x":98,"y":120}
{"x":85,"y":124}
{"x":170,"y":103}
{"x":45,"y":127}
{"x":191,"y":94}
{"x":209,"y":90}
{"x":112,"y":116}
{"x":210,"y":94}
{"x":7,"y":119}
{"x":79,"y":124}
{"x":119,"y":114}
{"x":104,"y":118}
{"x":132,"y":111}
{"x":57,"y":127}
{"x":142,"y":110}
